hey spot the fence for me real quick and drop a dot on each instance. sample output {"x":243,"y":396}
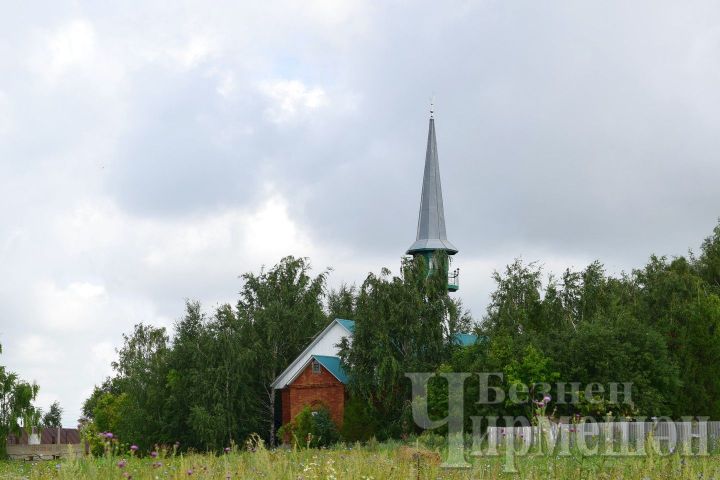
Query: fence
{"x":45,"y":452}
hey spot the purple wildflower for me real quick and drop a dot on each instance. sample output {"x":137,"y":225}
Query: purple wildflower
{"x":134,"y":448}
{"x":153,"y":454}
{"x":547,"y":398}
{"x":227,"y":449}
{"x":122,"y":463}
{"x":108,"y":435}
{"x":190,"y":472}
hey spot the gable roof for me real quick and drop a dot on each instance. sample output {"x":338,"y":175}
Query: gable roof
{"x":347,"y":325}
{"x":332,"y":365}
{"x":332,"y":362}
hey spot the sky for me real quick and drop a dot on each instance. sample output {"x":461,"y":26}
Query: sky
{"x":152,"y":152}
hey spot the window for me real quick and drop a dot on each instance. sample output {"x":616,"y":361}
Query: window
{"x":315,"y":366}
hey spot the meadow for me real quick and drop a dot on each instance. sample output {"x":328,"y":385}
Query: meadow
{"x":377,"y":462}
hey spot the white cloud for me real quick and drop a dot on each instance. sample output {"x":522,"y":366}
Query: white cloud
{"x":290,"y":99}
{"x":69,"y":47}
{"x":70,"y":307}
{"x":5,"y":115}
{"x":36,"y":349}
{"x":104,"y":353}
{"x":72,"y":45}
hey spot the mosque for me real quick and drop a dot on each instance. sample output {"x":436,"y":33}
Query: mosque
{"x":316,"y":377}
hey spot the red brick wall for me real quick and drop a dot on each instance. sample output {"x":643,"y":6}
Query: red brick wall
{"x":314,"y":389}
{"x":285,"y":402}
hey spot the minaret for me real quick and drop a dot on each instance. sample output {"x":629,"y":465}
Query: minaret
{"x":431,"y":235}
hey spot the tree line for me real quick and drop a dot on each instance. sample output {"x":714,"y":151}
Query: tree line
{"x":207,"y":383}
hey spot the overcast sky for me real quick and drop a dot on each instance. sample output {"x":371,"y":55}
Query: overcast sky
{"x":153,"y":151}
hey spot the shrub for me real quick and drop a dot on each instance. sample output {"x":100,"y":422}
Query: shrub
{"x":310,"y":429}
{"x":359,"y":425}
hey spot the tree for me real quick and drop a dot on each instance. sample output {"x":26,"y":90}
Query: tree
{"x":210,"y":401}
{"x":341,"y":302}
{"x":280,"y":310}
{"x":709,"y":262}
{"x":403,"y":324}
{"x":16,"y":397}
{"x":141,"y":371}
{"x":53,"y":417}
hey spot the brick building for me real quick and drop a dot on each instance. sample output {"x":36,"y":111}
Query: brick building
{"x":316,"y":377}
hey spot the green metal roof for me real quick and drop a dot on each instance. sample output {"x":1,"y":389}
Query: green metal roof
{"x":348,"y":324}
{"x":465,"y":339}
{"x":332,"y":365}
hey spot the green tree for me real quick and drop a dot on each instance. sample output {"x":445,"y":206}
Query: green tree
{"x":280,"y":310}
{"x":403,"y":324}
{"x":53,"y":417}
{"x":141,"y":370}
{"x":16,"y":397}
{"x":709,"y":261}
{"x":341,"y":302}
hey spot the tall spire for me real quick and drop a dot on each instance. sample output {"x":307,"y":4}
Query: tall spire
{"x":431,"y":233}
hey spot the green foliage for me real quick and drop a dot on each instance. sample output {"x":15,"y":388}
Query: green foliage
{"x":53,"y":417}
{"x":16,"y":397}
{"x":280,"y":311}
{"x":359,"y":425}
{"x":403,"y":324}
{"x":657,"y":328}
{"x":210,"y":386}
{"x":341,"y":302}
{"x":310,"y":429}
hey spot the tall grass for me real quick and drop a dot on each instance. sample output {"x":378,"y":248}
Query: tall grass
{"x":379,"y":462}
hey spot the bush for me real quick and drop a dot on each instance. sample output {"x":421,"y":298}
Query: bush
{"x":310,"y":429}
{"x":359,"y":425}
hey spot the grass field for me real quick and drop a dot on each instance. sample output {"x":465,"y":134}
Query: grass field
{"x":380,"y":462}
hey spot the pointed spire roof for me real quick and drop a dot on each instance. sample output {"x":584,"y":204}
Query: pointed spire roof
{"x":431,"y":233}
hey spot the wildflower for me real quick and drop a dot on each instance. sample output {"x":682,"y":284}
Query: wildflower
{"x":122,"y":463}
{"x":153,"y":454}
{"x":547,"y":398}
{"x":108,"y":435}
{"x":157,"y":464}
{"x":227,"y":449}
{"x":190,"y":472}
{"x":134,"y":448}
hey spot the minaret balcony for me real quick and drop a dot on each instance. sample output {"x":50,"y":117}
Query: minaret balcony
{"x":454,"y":280}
